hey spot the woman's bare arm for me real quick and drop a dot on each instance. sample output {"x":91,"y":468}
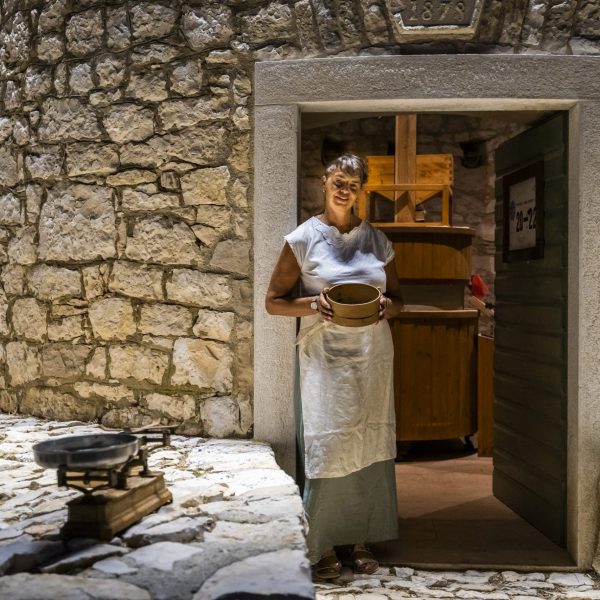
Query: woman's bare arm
{"x":285,"y":276}
{"x":392,"y":302}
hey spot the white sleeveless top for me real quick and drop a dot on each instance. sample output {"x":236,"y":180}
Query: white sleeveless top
{"x":346,"y":373}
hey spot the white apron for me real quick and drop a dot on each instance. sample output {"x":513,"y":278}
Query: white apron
{"x":346,"y":384}
{"x":346,"y":373}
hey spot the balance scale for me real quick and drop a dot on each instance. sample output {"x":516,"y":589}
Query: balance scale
{"x":111,"y":469}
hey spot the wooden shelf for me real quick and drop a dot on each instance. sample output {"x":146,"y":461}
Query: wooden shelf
{"x":424,"y":229}
{"x":440,"y":313}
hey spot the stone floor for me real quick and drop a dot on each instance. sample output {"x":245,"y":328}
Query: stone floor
{"x":235,"y":529}
{"x":235,"y":519}
{"x":391,"y":583}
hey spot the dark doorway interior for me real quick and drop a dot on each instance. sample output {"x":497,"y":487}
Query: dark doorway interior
{"x":449,"y":515}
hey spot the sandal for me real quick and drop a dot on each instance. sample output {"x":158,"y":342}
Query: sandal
{"x":364,"y":562}
{"x":328,"y":567}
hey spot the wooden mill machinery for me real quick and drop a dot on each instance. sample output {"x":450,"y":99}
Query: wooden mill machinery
{"x":435,"y":337}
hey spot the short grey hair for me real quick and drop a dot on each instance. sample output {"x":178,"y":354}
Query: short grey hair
{"x":350,"y":164}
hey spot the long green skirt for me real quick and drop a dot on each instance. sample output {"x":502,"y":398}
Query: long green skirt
{"x":360,"y":507}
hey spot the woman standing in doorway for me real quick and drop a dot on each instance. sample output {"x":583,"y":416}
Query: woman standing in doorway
{"x":345,"y":413}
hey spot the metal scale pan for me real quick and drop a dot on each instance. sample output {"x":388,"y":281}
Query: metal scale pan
{"x":94,"y":451}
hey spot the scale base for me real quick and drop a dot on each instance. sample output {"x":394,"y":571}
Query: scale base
{"x":105,"y":513}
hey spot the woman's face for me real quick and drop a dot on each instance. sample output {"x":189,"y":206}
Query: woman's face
{"x":341,"y":190}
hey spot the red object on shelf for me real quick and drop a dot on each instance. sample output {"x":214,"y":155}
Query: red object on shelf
{"x":478,"y":287}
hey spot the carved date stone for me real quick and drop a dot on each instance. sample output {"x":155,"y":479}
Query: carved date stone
{"x":439,"y":18}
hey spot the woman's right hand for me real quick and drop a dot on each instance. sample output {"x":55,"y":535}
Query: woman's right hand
{"x":323,"y":306}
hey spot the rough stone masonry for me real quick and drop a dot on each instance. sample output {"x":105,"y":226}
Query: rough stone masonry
{"x":126,"y":189}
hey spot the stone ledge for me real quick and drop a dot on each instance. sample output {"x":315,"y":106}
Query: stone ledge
{"x":235,"y":525}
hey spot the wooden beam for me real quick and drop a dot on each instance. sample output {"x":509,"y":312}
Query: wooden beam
{"x":405,"y":165}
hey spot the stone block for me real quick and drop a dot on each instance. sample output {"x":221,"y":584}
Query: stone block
{"x":94,"y":280}
{"x":152,"y":54}
{"x":9,"y":402}
{"x":232,"y":256}
{"x":77,"y":222}
{"x":214,"y":325}
{"x":305,"y":26}
{"x":84,"y":32}
{"x":178,"y":408}
{"x":23,"y":363}
{"x":29,"y":319}
{"x":22,"y":248}
{"x":133,"y":416}
{"x":186,"y":77}
{"x":207,"y":26}
{"x":207,"y":235}
{"x":92,"y":159}
{"x":81,"y":559}
{"x":10,"y":209}
{"x":13,"y":279}
{"x":66,"y":120}
{"x":80,"y":78}
{"x":4,"y":329}
{"x":116,"y":395}
{"x":176,"y":114}
{"x":220,"y":416}
{"x":203,"y":364}
{"x":96,"y":365}
{"x":69,"y":328}
{"x":205,"y":186}
{"x":251,"y":575}
{"x":198,"y":289}
{"x":274,"y":21}
{"x":52,"y":16}
{"x":23,"y":586}
{"x":6,"y":128}
{"x":9,"y":174}
{"x":118,"y":33}
{"x":50,"y":48}
{"x":37,"y":82}
{"x":44,"y":162}
{"x":128,"y":122}
{"x":112,"y":318}
{"x":137,"y":281}
{"x":138,"y":200}
{"x":64,"y":360}
{"x":47,"y":282}
{"x":131,"y":177}
{"x":165,"y":320}
{"x":150,"y":20}
{"x":163,"y":240}
{"x":33,"y":201}
{"x":138,"y":362}
{"x":243,"y":368}
{"x":110,"y":70}
{"x":200,"y":144}
{"x":147,"y":86}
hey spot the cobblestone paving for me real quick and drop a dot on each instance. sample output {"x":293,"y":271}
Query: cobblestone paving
{"x":404,"y":582}
{"x":234,"y":511}
{"x":235,"y":519}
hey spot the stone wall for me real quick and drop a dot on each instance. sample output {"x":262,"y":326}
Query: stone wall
{"x":126,"y":188}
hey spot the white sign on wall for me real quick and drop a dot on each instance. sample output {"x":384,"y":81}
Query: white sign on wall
{"x":522,"y":215}
{"x":523,"y":222}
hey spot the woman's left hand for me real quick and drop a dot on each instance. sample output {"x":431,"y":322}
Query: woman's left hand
{"x":384,"y":304}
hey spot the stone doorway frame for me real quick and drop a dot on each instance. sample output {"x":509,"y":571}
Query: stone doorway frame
{"x":285,"y":89}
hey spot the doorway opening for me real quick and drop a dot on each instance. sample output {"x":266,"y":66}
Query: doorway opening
{"x":497,"y":495}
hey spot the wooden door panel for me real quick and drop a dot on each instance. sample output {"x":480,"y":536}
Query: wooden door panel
{"x":530,"y":357}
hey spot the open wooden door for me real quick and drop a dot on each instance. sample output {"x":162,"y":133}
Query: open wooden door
{"x":530,"y":359}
